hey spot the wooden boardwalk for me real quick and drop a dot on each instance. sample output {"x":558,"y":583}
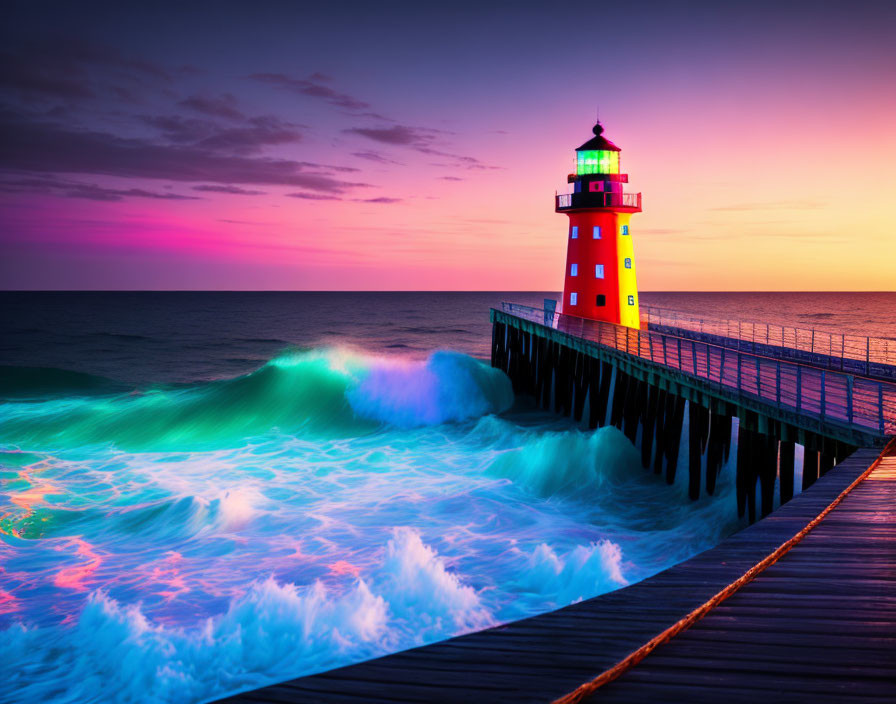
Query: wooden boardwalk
{"x":820,"y":624}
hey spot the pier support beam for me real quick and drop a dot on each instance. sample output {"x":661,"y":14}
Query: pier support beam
{"x":698,"y":434}
{"x":649,"y":420}
{"x":717,"y":448}
{"x":674,"y":421}
{"x":810,"y":467}
{"x":768,"y":472}
{"x":785,"y":471}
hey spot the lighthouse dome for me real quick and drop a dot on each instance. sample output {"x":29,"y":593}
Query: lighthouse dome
{"x":598,"y":142}
{"x":598,"y":155}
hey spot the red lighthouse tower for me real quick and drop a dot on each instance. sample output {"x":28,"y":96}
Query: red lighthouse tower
{"x":600,"y":262}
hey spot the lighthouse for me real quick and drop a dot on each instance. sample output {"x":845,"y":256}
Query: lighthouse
{"x":600,"y":261}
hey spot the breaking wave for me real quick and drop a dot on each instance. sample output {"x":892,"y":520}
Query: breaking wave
{"x":570,"y":462}
{"x":318,"y":392}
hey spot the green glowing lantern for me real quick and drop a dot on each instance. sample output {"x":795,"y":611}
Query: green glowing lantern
{"x":597,"y":161}
{"x":598,"y":155}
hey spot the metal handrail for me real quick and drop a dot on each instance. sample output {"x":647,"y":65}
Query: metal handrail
{"x":606,"y":200}
{"x":870,"y":356}
{"x":863,"y":403}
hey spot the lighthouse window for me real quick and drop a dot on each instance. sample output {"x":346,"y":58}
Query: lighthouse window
{"x":628,"y":263}
{"x":598,"y":161}
{"x":601,"y":300}
{"x":573,"y":298}
{"x":597,"y":232}
{"x":625,"y":229}
{"x":574,"y":235}
{"x":631,"y":300}
{"x":598,"y":271}
{"x":573,"y":269}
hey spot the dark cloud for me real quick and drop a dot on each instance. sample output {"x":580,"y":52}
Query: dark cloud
{"x":313,"y":86}
{"x":450,"y":178}
{"x":70,"y":50}
{"x":228,"y":189}
{"x":341,"y":169}
{"x":34,"y":146}
{"x":421,"y":139}
{"x":770,"y":232}
{"x":260,"y":132}
{"x":773,"y":205}
{"x":90,"y":191}
{"x":466,"y":162}
{"x":126,"y":95}
{"x":312,"y":196}
{"x":33,"y":81}
{"x":183,"y":130}
{"x":376,"y":157}
{"x":257,"y":133}
{"x":381,"y":199}
{"x":400,"y":135}
{"x":95,"y":192}
{"x":70,"y":69}
{"x":488,"y":221}
{"x":376,"y":116}
{"x":223,"y":106}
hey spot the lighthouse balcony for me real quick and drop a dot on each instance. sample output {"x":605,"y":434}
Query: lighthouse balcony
{"x":625,"y":202}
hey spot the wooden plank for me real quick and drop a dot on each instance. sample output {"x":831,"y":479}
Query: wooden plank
{"x":793,"y":658}
{"x":743,"y":692}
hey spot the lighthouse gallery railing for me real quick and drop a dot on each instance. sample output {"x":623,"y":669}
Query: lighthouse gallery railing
{"x":808,"y":390}
{"x":600,"y":200}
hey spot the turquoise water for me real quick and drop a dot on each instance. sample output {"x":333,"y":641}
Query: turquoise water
{"x":179,"y":540}
{"x":189,"y":541}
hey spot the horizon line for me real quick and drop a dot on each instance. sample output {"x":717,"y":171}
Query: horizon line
{"x":525,"y":291}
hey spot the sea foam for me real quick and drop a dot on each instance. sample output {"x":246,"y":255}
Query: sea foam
{"x":579,"y":574}
{"x":272,"y":631}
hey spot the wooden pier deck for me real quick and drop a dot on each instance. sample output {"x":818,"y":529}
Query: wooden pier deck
{"x":818,"y":624}
{"x":858,"y":410}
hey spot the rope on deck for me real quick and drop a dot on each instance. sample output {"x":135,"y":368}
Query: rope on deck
{"x":638,"y":655}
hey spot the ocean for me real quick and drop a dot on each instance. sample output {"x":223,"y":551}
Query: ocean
{"x":202,"y":493}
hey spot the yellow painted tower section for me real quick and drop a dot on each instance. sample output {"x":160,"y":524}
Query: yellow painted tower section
{"x":628,"y":285}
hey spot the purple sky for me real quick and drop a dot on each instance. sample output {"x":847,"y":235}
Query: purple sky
{"x":418,"y":146}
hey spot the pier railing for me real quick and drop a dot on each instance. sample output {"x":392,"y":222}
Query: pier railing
{"x":868,"y":404}
{"x":867,"y":356}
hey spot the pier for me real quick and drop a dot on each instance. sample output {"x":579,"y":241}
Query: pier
{"x":801,"y":604}
{"x":644,"y":382}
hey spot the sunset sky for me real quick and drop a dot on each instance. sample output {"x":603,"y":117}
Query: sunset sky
{"x":419,"y":145}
